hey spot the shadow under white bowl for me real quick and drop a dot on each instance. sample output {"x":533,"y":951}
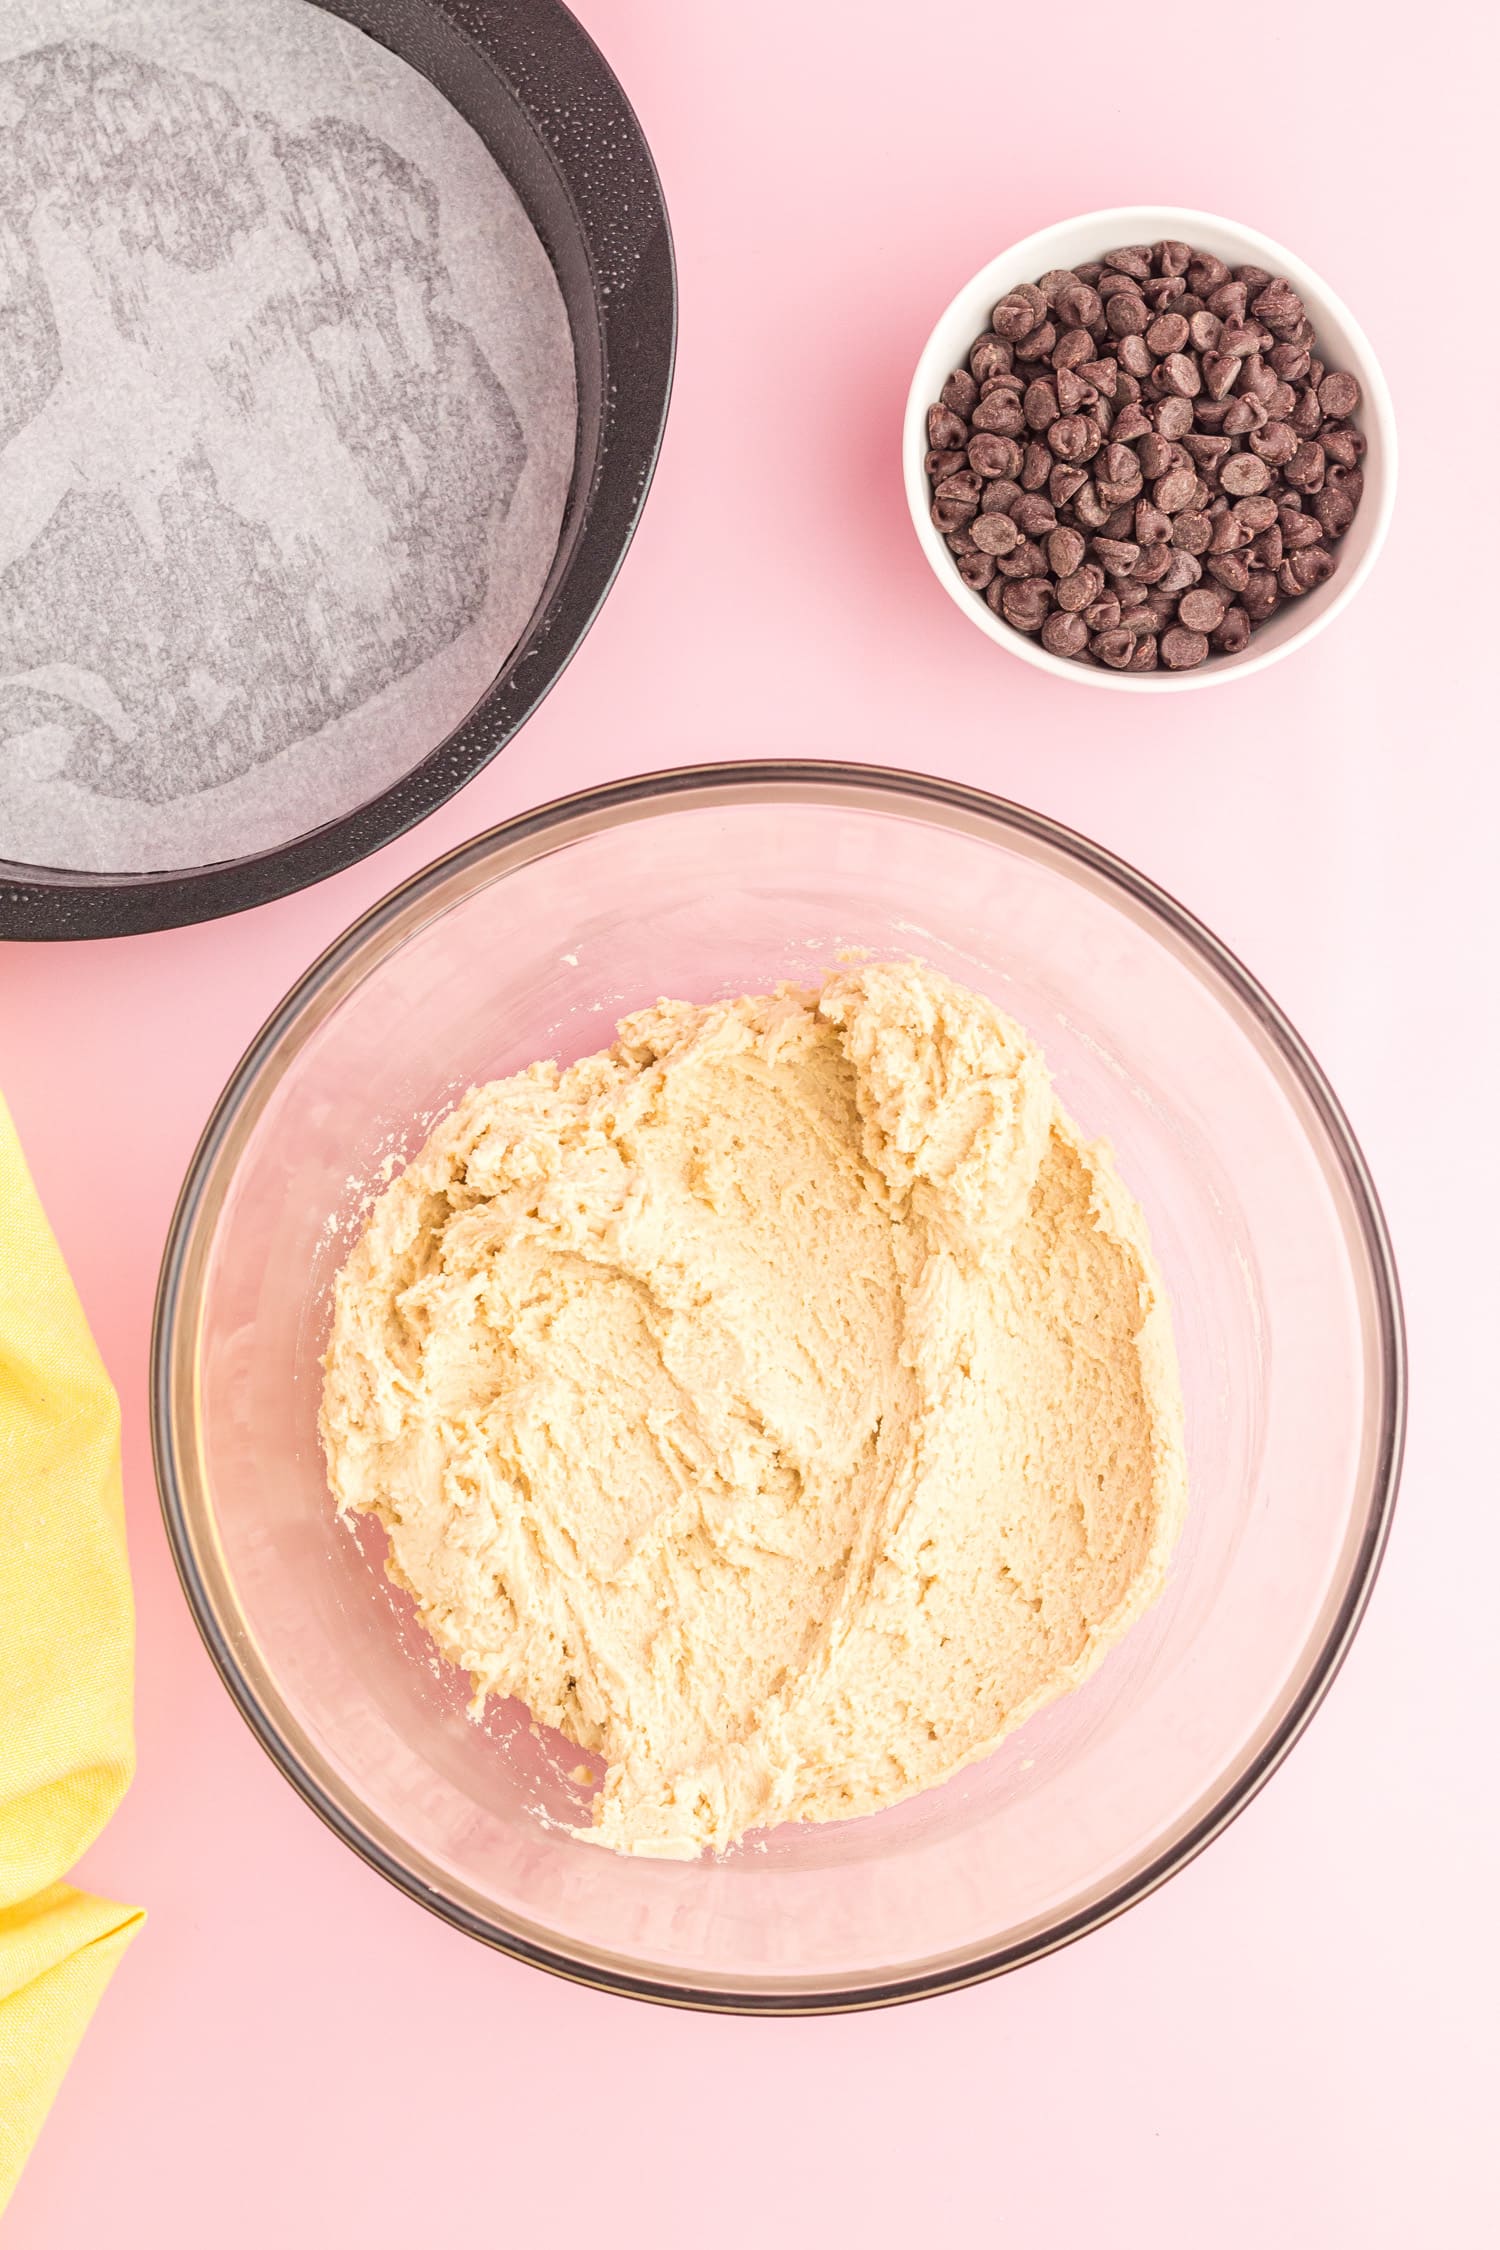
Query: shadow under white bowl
{"x":1342,"y":343}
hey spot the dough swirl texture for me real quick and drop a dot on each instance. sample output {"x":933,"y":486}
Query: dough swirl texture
{"x":782,"y":1403}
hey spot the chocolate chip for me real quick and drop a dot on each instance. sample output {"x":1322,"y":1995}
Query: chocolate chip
{"x":1306,"y":416}
{"x":1220,"y":373}
{"x":1181,"y":650}
{"x":1036,"y":465}
{"x":995,"y":534}
{"x":1233,"y":633}
{"x":1040,"y":403}
{"x":1035,"y":514}
{"x":1133,"y":353}
{"x":1202,"y":609}
{"x":1175,"y":490}
{"x":1231,"y":571}
{"x":1310,"y":568}
{"x":1192,"y":531}
{"x":1242,"y":416}
{"x":1000,"y":412}
{"x":1080,"y":306}
{"x":1290,"y":361}
{"x":1024,"y":561}
{"x":1307,"y":468}
{"x":1338,"y":395}
{"x":1344,"y":446}
{"x":1065,"y":634}
{"x":1073,"y":438}
{"x":1167,"y":334}
{"x":994,"y":456}
{"x":1134,"y":259}
{"x":1118,"y":556}
{"x":1065,"y":551}
{"x":1298,"y":530}
{"x":1206,"y":273}
{"x":1275,"y":444}
{"x":976,"y":570}
{"x":1089,"y":509}
{"x":1256,"y":512}
{"x":1334,"y":511}
{"x":1180,"y":375}
{"x":960,"y":392}
{"x":1173,"y":418}
{"x":1025,"y":604}
{"x":1229,"y":300}
{"x":1245,"y":473}
{"x":1073,"y":346}
{"x":1118,"y":473}
{"x":1260,"y":598}
{"x":1016,"y":315}
{"x":1079,"y":587}
{"x":1279,"y":307}
{"x":991,"y":355}
{"x":1181,"y":572}
{"x":1039,"y":343}
{"x":1126,"y":315}
{"x":1131,"y":422}
{"x":1100,"y":374}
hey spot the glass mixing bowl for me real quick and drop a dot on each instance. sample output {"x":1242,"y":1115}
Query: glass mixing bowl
{"x":531,"y":941}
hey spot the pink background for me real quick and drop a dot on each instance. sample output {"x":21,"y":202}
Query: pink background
{"x":1294,"y":2040}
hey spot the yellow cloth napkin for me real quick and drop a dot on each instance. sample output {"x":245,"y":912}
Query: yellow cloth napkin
{"x":67,"y":1644}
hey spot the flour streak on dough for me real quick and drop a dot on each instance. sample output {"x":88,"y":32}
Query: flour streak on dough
{"x":782,"y":1404}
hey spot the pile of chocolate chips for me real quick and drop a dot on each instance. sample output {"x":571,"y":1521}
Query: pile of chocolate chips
{"x":1145,"y":458}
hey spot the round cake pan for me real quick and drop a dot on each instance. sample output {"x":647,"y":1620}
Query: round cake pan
{"x":531,"y":83}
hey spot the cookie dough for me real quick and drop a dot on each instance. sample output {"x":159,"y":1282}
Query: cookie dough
{"x":782,"y":1403}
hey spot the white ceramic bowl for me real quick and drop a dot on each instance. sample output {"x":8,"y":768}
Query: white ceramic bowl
{"x":1341,"y":342}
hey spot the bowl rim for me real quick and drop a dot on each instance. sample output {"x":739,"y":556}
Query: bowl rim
{"x":1132,"y":222}
{"x":551,"y":827}
{"x":590,"y":140}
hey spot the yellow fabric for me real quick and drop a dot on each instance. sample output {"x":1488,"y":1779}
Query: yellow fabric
{"x":67,"y":1646}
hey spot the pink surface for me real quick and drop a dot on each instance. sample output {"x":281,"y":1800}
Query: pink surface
{"x":1293,"y":2039}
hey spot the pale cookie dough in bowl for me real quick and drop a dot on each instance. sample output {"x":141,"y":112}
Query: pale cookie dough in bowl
{"x":781,"y":1404}
{"x":802,"y":923}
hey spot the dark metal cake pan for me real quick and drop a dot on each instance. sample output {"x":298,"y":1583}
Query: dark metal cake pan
{"x":531,"y":83}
